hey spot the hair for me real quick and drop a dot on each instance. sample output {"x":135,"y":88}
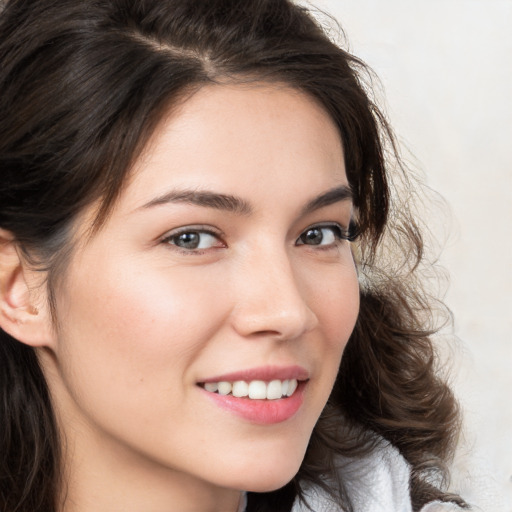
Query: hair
{"x":83,"y":85}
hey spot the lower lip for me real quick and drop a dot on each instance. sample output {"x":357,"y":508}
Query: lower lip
{"x":263,"y":412}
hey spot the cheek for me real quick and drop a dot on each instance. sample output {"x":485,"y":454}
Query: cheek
{"x":137,"y":332}
{"x":127,"y":348}
{"x":336,"y":303}
{"x":149,"y":307}
{"x":334,"y":297}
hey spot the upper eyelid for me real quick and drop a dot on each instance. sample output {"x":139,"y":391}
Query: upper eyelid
{"x":327,"y":224}
{"x":200,"y":228}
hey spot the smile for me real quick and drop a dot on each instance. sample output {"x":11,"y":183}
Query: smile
{"x":264,"y":395}
{"x":255,"y":389}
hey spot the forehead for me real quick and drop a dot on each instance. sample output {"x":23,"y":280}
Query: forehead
{"x":225,"y":135}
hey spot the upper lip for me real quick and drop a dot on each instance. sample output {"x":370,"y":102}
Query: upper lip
{"x":265,"y":373}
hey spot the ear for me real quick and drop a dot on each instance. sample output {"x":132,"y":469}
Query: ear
{"x":24,"y":312}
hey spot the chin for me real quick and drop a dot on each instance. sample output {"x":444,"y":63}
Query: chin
{"x":269,"y":485}
{"x":270,"y":474}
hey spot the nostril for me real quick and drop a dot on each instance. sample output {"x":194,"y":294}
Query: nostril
{"x":267,"y":333}
{"x":271,"y":323}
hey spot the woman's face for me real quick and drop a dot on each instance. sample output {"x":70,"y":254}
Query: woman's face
{"x":224,"y":260}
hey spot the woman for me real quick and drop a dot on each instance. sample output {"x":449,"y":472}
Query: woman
{"x":181,"y":184}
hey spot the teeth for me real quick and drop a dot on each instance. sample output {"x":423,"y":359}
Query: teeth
{"x":255,"y":390}
{"x":240,"y":388}
{"x":292,"y":386}
{"x":274,"y":390}
{"x":224,"y":388}
{"x":211,"y":387}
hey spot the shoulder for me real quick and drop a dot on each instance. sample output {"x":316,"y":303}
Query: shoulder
{"x":378,"y":482}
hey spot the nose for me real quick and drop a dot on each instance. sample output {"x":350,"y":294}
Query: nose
{"x":271,"y":300}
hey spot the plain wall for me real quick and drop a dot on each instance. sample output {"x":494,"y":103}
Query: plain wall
{"x":446,"y":68}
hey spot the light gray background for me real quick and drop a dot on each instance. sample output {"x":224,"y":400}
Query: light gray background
{"x":446,"y":68}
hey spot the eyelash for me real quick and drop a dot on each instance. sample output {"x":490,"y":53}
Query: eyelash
{"x":339,"y":232}
{"x":201,"y":230}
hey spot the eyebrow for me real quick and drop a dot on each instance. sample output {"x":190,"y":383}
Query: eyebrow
{"x":207,"y":199}
{"x":332,"y":196}
{"x":238,"y":205}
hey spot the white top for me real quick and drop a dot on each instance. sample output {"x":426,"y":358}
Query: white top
{"x":378,"y":482}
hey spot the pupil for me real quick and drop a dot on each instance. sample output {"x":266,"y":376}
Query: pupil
{"x":313,"y":236}
{"x":188,"y":240}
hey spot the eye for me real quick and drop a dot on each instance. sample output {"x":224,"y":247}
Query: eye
{"x":193,"y":239}
{"x":323,"y":235}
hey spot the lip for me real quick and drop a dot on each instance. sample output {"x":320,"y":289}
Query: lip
{"x":265,"y":373}
{"x":261,"y":412}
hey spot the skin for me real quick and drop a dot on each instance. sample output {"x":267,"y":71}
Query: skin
{"x":142,"y":321}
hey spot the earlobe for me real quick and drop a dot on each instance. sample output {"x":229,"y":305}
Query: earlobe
{"x":22,"y":314}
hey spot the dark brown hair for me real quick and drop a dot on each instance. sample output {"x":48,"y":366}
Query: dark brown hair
{"x":83,"y":84}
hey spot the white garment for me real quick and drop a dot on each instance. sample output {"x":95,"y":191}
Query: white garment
{"x":378,"y":482}
{"x":243,"y":502}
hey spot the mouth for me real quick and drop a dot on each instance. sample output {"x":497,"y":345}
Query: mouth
{"x":254,"y":389}
{"x":263,"y":396}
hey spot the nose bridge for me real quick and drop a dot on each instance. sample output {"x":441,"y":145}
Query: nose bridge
{"x":272,"y":301}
